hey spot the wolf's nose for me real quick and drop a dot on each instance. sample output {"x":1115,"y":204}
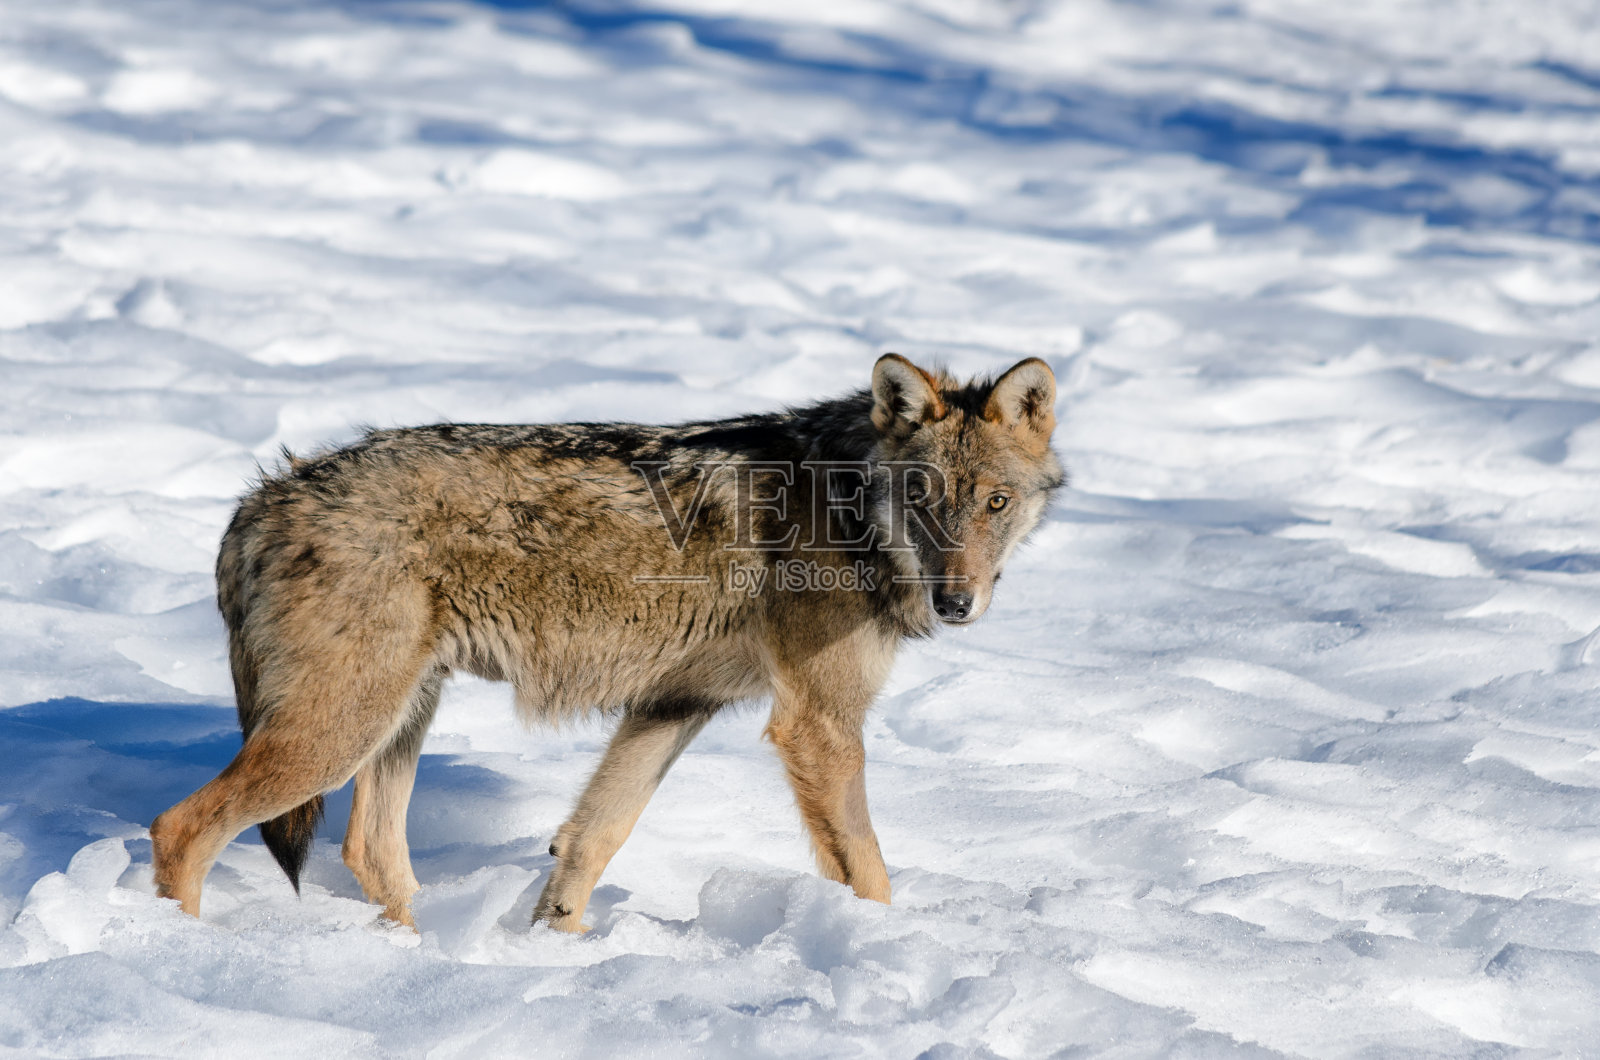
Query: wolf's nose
{"x":952,"y":607}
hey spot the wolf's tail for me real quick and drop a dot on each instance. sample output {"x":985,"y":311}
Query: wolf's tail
{"x":288,"y":836}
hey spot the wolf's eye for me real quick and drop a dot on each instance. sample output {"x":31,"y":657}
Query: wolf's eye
{"x":997,"y":502}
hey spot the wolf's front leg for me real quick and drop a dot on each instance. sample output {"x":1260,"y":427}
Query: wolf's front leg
{"x":639,"y":755}
{"x":816,"y":727}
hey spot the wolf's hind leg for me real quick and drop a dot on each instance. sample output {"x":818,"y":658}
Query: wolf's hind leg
{"x":273,"y":773}
{"x":375,"y":845}
{"x":334,"y":705}
{"x":639,"y":755}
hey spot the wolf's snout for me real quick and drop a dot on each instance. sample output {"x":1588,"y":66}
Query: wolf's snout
{"x":952,"y":607}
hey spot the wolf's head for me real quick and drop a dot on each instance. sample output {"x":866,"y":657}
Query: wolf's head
{"x":965,"y":473}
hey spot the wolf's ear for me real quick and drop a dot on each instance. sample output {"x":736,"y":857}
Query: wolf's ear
{"x":903,"y":395}
{"x":1024,"y":401}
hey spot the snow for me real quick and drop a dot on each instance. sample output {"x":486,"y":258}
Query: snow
{"x":1279,"y":739}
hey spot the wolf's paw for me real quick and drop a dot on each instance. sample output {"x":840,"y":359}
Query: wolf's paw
{"x":395,"y":933}
{"x":569,"y":924}
{"x":558,"y":916}
{"x":398,"y":917}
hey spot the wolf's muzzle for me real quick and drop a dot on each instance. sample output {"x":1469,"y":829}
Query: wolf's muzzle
{"x":952,"y":607}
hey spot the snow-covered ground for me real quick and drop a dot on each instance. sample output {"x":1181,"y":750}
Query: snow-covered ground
{"x":1279,"y":740}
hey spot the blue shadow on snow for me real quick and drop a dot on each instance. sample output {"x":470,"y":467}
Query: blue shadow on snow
{"x":75,"y":770}
{"x":1442,"y":181}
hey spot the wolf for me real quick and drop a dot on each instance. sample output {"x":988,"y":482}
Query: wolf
{"x":594,"y":567}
